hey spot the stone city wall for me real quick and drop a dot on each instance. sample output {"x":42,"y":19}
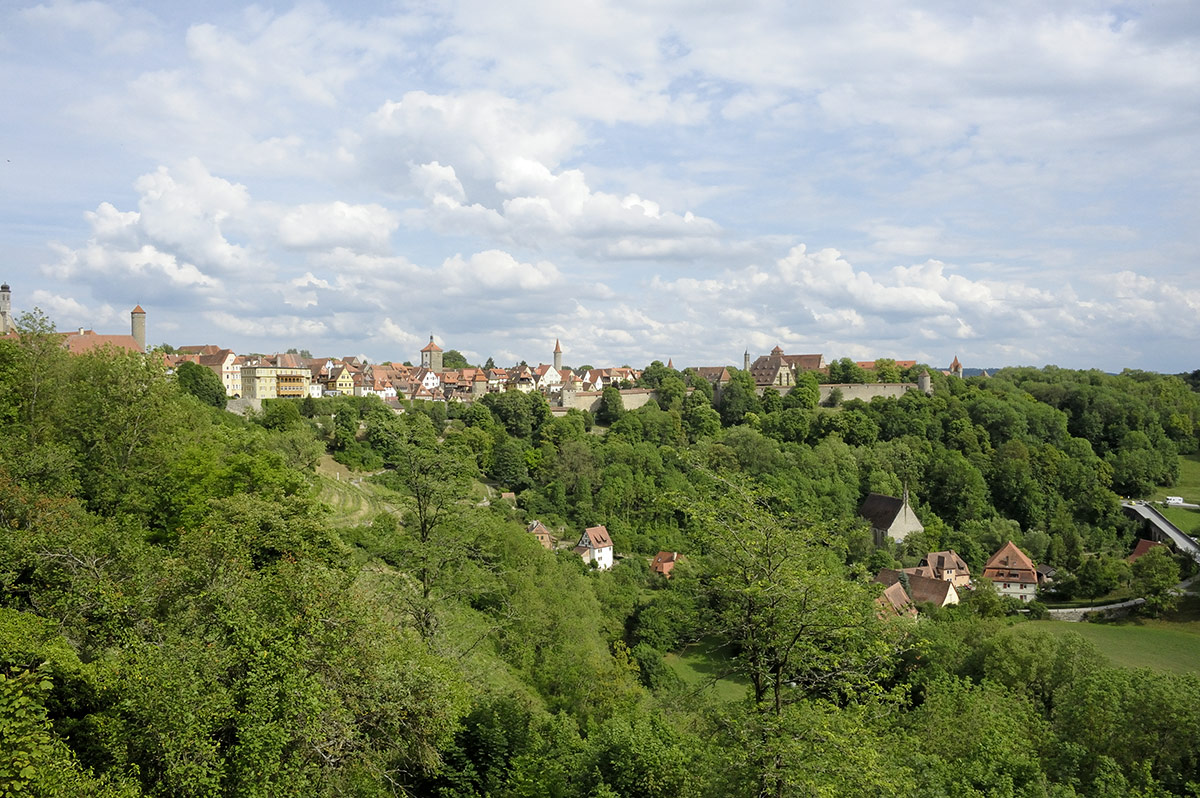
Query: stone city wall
{"x":866,"y":391}
{"x":631,"y":398}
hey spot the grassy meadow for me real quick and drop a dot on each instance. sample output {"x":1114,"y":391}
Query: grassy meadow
{"x":1188,"y":484}
{"x":1171,"y":643}
{"x":352,"y":498}
{"x":702,"y":667}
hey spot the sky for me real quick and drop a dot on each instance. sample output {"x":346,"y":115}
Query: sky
{"x":1010,"y":183}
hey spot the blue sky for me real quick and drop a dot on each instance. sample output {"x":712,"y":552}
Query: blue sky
{"x":1010,"y":183}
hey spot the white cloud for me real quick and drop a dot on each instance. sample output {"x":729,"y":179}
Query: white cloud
{"x":494,"y":270}
{"x":337,"y":224}
{"x":1010,"y":181}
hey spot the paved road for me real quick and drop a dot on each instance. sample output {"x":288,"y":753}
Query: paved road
{"x":1183,"y":543}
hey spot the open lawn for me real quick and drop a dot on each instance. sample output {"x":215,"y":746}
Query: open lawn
{"x":701,"y":666}
{"x":1185,"y":518}
{"x":1167,"y":644}
{"x":1188,"y":484}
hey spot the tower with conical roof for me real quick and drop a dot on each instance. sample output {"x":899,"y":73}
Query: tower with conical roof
{"x":746,"y":360}
{"x":137,"y":326}
{"x":6,"y":325}
{"x":956,"y":367}
{"x":557,"y":355}
{"x":431,"y":356}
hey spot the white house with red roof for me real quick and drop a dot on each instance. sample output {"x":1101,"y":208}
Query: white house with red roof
{"x":595,"y":546}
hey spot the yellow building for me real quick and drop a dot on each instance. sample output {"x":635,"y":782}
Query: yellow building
{"x":264,"y":381}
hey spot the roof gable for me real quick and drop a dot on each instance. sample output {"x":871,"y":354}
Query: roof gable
{"x":923,"y":589}
{"x":942,"y":561}
{"x":596,"y":537}
{"x":1010,"y":558}
{"x":880,"y":510}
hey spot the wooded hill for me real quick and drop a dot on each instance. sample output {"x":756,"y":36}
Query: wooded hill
{"x":180,"y":615}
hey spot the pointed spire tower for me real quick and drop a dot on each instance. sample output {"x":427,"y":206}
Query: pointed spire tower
{"x":557,"y":355}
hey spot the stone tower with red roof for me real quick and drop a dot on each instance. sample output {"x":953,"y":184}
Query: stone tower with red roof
{"x":137,"y":326}
{"x":431,"y":356}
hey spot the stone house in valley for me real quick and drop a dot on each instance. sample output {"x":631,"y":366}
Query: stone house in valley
{"x":945,"y":565}
{"x":664,"y":562}
{"x":894,"y":602}
{"x":1012,"y":572}
{"x":779,"y":370}
{"x":539,"y":531}
{"x":1143,"y":547}
{"x":922,"y":589}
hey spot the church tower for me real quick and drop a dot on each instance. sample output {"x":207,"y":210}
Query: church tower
{"x":746,"y":361}
{"x":557,"y":355}
{"x":6,"y":324}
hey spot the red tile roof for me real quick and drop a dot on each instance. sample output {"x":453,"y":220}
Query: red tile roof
{"x":895,"y":602}
{"x":1010,"y":564}
{"x":941,"y":561}
{"x":1143,"y":546}
{"x":664,"y":562}
{"x":923,"y":589}
{"x":598,"y":537}
{"x":86,"y":341}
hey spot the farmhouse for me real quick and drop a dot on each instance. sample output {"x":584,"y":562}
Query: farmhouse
{"x":1012,"y":572}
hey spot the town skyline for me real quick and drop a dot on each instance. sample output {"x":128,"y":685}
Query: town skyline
{"x":1014,"y":186}
{"x":87,"y":338}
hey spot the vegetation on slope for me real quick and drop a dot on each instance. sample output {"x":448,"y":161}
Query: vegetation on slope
{"x":181,"y":614}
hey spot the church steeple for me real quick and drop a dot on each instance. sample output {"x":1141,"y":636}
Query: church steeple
{"x":557,"y":355}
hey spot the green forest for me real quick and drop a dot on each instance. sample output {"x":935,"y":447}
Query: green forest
{"x":182,"y":613}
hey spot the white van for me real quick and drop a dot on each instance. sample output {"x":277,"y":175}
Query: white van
{"x":1174,"y":500}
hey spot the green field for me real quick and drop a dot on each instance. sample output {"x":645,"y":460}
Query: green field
{"x":702,"y":666}
{"x":1185,"y":518}
{"x":1168,"y":645}
{"x":1188,"y":484}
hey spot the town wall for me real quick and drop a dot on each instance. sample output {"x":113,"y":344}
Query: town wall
{"x":866,"y":391}
{"x":631,"y":399}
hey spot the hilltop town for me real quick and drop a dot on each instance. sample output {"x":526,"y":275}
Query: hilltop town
{"x":250,"y":378}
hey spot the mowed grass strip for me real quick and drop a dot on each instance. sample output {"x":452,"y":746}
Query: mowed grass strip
{"x":1185,"y":518}
{"x":1170,"y":644}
